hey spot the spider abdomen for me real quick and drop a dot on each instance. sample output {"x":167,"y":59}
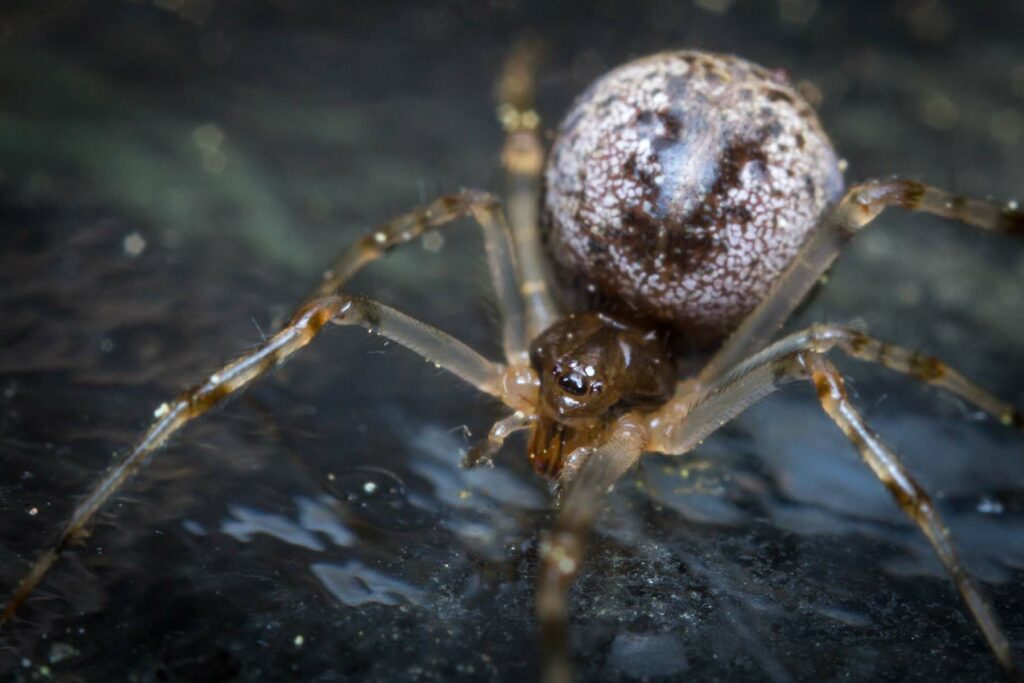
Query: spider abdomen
{"x":680,"y":186}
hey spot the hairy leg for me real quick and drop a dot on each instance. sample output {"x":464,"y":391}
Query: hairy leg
{"x":588,"y":475}
{"x":523,"y":158}
{"x":857,"y":209}
{"x":436,"y":346}
{"x":486,"y":210}
{"x":700,"y":406}
{"x":927,"y":369}
{"x":912,"y":499}
{"x":800,"y":357}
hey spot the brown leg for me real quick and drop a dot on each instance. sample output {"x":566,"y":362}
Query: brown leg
{"x":523,"y":158}
{"x":700,"y":407}
{"x":796,"y":357}
{"x":913,"y":500}
{"x":563,"y":548}
{"x":501,"y":261}
{"x":858,"y":208}
{"x":435,"y":346}
{"x":927,"y":369}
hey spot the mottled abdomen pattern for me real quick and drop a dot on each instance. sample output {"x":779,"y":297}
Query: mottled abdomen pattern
{"x":680,"y":186}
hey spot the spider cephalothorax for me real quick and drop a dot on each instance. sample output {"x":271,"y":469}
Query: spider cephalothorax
{"x":692,"y":191}
{"x":592,"y":365}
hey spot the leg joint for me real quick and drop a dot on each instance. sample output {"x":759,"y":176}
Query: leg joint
{"x":822,"y":338}
{"x":470,"y":198}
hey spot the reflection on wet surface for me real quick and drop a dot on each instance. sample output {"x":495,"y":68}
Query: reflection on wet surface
{"x":354,"y":584}
{"x":313,"y":517}
{"x":646,"y":656}
{"x":158,"y":216}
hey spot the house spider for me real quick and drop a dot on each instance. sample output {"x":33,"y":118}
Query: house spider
{"x":690,"y":203}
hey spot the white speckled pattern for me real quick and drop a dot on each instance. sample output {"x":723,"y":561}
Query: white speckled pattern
{"x":680,"y":185}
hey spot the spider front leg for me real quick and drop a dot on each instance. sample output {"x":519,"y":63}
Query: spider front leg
{"x":858,"y":208}
{"x":589,"y":473}
{"x":691,"y":417}
{"x":436,"y":346}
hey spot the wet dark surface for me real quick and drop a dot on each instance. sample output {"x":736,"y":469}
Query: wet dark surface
{"x":319,"y":527}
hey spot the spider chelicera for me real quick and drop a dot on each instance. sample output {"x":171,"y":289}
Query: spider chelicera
{"x":689,"y":203}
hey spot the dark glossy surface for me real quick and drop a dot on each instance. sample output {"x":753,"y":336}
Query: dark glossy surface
{"x":320,"y":527}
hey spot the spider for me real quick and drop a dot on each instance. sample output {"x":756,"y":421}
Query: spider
{"x":689,"y":203}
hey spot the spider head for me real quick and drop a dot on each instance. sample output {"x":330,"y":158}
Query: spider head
{"x":590,"y":363}
{"x":578,"y":388}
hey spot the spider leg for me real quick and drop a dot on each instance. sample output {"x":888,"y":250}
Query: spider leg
{"x":523,"y":159}
{"x":858,"y":208}
{"x":821,"y":339}
{"x":800,"y":357}
{"x":911,"y":497}
{"x":501,"y":260}
{"x":562,"y":549}
{"x":434,"y":345}
{"x":927,"y":369}
{"x":482,"y":453}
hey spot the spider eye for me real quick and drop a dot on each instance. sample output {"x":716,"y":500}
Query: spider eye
{"x":572,"y":384}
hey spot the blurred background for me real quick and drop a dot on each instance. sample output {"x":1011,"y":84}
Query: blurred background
{"x":175,"y":174}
